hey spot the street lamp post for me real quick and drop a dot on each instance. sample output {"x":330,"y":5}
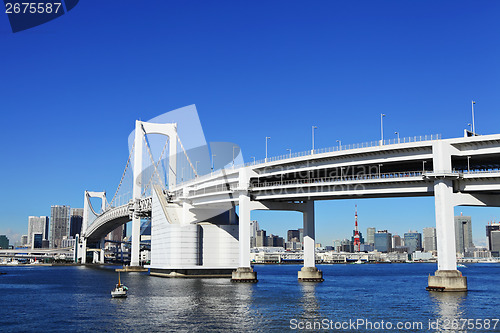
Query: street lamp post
{"x":397,"y":133}
{"x":267,"y":138}
{"x":313,"y":128}
{"x":290,"y":151}
{"x":196,"y":167}
{"x":213,"y":162}
{"x":423,"y":166}
{"x":340,"y":144}
{"x":253,"y":157}
{"x":382,"y":115}
{"x":468,"y":163}
{"x":473,"y":126}
{"x":379,"y":174}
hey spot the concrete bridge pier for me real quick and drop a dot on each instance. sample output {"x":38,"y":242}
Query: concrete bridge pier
{"x":83,"y":251}
{"x":245,"y":272}
{"x":309,"y":273}
{"x":447,"y":277}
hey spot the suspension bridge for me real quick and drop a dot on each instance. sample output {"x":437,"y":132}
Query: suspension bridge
{"x":195,"y":230}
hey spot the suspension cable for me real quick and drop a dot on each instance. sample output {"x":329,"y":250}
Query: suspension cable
{"x":157,"y":164}
{"x":123,"y":175}
{"x":187,"y":157}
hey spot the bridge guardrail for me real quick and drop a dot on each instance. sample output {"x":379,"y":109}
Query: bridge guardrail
{"x":389,"y":175}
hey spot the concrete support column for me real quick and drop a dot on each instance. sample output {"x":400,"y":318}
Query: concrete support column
{"x":445,"y":224}
{"x":447,"y":277}
{"x":232,"y":215}
{"x":83,"y":251}
{"x":137,"y":189}
{"x":244,"y":273}
{"x":309,"y":273}
{"x":101,"y":255}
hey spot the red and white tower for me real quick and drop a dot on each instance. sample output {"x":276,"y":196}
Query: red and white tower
{"x":357,"y":240}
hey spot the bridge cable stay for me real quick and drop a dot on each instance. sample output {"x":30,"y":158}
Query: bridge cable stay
{"x":123,"y":175}
{"x":156,"y":167}
{"x":187,"y":157}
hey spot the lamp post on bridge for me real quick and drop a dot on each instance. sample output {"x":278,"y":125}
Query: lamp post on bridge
{"x":290,"y":151}
{"x":382,"y":115}
{"x":267,"y":138}
{"x":423,"y":166}
{"x":473,"y":127}
{"x":253,"y":157}
{"x":397,"y":133}
{"x":313,"y":128}
{"x":379,"y":174}
{"x":468,"y":163}
{"x":196,"y":167}
{"x":340,"y":144}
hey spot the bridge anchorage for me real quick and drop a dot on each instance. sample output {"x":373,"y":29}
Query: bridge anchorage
{"x":195,"y":231}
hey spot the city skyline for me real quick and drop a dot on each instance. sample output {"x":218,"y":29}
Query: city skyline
{"x":402,"y":60}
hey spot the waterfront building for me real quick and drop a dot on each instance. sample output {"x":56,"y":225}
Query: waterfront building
{"x":260,"y":238}
{"x":463,"y":233}
{"x":59,"y":217}
{"x":24,"y":240}
{"x":291,"y":234}
{"x":366,"y":247}
{"x":337,"y":244}
{"x":370,"y":235}
{"x":68,"y":242}
{"x":75,"y":222}
{"x":293,"y":246}
{"x":396,"y":241}
{"x":254,"y":226}
{"x":347,"y":245}
{"x":430,"y":239}
{"x":492,"y":238}
{"x":383,"y":241}
{"x":275,"y":241}
{"x":39,"y":225}
{"x":301,"y":235}
{"x":4,"y":242}
{"x":37,"y":241}
{"x":413,"y":241}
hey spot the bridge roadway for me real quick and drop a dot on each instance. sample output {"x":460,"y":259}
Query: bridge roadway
{"x":458,"y":171}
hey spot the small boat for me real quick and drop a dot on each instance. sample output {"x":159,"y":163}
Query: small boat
{"x":120,"y":289}
{"x":359,"y":261}
{"x":461,"y":266}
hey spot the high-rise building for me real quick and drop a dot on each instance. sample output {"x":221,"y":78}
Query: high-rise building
{"x":493,"y":238}
{"x":383,"y":241}
{"x":413,"y":241}
{"x":59,"y":224}
{"x":37,"y":241}
{"x":260,"y":238}
{"x":4,"y":242}
{"x":39,"y":225}
{"x":463,"y":233}
{"x":24,"y":240}
{"x":291,"y":234}
{"x":430,"y":239}
{"x":254,"y":226}
{"x":370,"y":235}
{"x":301,"y":235}
{"x":75,"y":222}
{"x":396,"y":241}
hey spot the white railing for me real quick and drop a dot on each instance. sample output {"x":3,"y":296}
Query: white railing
{"x":361,"y":177}
{"x":369,"y":144}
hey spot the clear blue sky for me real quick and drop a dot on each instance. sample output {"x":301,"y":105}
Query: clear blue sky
{"x":71,"y":90}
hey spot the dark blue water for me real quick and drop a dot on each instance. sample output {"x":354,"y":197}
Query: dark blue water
{"x":72,"y":298}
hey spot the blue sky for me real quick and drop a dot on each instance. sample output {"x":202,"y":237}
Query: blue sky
{"x":71,"y":90}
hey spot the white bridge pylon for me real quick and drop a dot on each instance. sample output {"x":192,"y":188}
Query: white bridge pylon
{"x":87,"y":209}
{"x":141,"y":130}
